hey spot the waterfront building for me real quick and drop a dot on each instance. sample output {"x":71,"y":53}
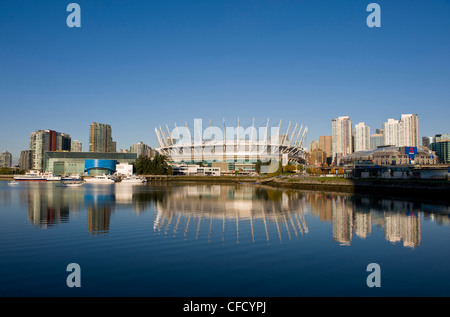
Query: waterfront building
{"x":377,"y":139}
{"x":325,"y":146}
{"x":141,"y":149}
{"x":442,"y":137}
{"x":403,"y":132}
{"x":313,"y":145}
{"x":183,"y":169}
{"x":390,"y":132}
{"x":408,"y":130}
{"x":25,"y":160}
{"x":392,"y":155}
{"x":100,"y":138}
{"x":76,"y":146}
{"x":124,"y":169}
{"x":317,"y":157}
{"x":341,"y":138}
{"x":68,"y":163}
{"x":5,"y":159}
{"x":427,"y":140}
{"x":42,"y":141}
{"x":241,"y":147}
{"x":441,"y":147}
{"x":362,"y":137}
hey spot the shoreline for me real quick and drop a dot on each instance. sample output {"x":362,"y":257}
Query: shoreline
{"x":414,"y":188}
{"x":411,"y":188}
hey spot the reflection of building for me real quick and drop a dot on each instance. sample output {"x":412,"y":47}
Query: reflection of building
{"x":363,"y":224}
{"x":402,"y":227}
{"x":99,"y":219}
{"x":101,"y":202}
{"x":320,"y":205}
{"x":50,"y":205}
{"x":342,"y":221}
{"x":253,"y":210}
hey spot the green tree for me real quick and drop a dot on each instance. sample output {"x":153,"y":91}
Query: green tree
{"x":258,"y":166}
{"x":144,"y":165}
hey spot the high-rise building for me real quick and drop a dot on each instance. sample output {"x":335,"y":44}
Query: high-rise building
{"x":26,"y":160}
{"x":42,"y":141}
{"x":441,"y":147}
{"x":100,"y":138}
{"x":341,"y":144}
{"x":390,"y":132}
{"x":377,"y":139}
{"x":5,"y":159}
{"x":76,"y":146}
{"x":325,"y":144}
{"x":362,"y":137}
{"x":314,"y":145}
{"x":403,"y":132}
{"x":427,"y":140}
{"x":408,"y":133}
{"x":141,"y":149}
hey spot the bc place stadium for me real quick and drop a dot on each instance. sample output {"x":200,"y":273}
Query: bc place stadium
{"x":231,"y":148}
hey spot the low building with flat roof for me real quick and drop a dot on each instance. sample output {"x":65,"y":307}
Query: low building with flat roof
{"x":69,"y":163}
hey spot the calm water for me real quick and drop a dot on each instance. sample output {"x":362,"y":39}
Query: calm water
{"x":196,"y":240}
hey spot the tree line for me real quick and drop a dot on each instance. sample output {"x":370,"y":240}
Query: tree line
{"x":144,"y":165}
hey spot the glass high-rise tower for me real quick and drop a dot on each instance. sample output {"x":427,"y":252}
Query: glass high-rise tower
{"x":100,"y":138}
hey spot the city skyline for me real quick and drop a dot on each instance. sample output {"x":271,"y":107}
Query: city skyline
{"x":161,"y":63}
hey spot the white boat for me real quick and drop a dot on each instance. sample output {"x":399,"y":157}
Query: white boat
{"x":51,"y":177}
{"x":30,"y":176}
{"x":71,"y":178}
{"x":100,"y":179}
{"x":13,"y":183}
{"x":133,"y":179}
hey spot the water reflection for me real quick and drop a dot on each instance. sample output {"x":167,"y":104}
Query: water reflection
{"x":280,"y":212}
{"x":100,"y":201}
{"x":232,"y":212}
{"x":49,"y":205}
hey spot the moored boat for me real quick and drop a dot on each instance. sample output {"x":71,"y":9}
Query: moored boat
{"x":100,"y":179}
{"x":71,"y":178}
{"x":133,"y":179}
{"x":50,"y":176}
{"x":31,"y":176}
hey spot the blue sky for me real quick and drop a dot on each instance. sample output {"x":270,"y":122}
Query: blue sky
{"x":140,"y":64}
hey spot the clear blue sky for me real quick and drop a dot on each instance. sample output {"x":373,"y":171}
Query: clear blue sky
{"x":140,"y":64}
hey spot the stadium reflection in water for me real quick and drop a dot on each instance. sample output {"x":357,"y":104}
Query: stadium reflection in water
{"x":225,"y":211}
